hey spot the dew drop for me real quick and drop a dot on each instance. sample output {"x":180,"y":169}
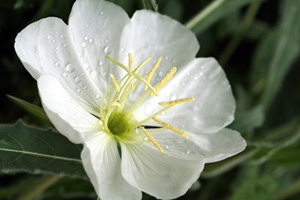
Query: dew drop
{"x":98,"y":96}
{"x":77,"y":79}
{"x":100,"y":63}
{"x":106,"y":49}
{"x":61,"y":36}
{"x":106,"y":41}
{"x":48,"y":37}
{"x":167,"y":147}
{"x":65,"y":74}
{"x":188,"y":151}
{"x":56,"y":64}
{"x":78,"y":90}
{"x":101,"y":13}
{"x":91,"y":41}
{"x":83,"y":44}
{"x":166,"y":57}
{"x":86,"y":38}
{"x":53,"y":41}
{"x":173,"y":97}
{"x":160,"y":73}
{"x":85,"y":87}
{"x":69,"y":68}
{"x":64,"y":45}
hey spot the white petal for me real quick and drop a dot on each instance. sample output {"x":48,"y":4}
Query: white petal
{"x":102,"y":163}
{"x":156,"y":35}
{"x":220,"y":145}
{"x":213,"y":107}
{"x":164,"y":175}
{"x":69,"y":118}
{"x":44,"y":47}
{"x":96,"y":27}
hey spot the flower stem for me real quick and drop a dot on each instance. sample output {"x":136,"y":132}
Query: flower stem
{"x":204,"y":13}
{"x":240,"y":32}
{"x":39,"y":187}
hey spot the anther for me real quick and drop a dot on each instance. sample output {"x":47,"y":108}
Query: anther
{"x":115,"y":82}
{"x":151,"y":139}
{"x":130,"y":63}
{"x":165,"y":79}
{"x":171,"y":127}
{"x":177,"y":101}
{"x":152,"y":72}
{"x":115,"y":104}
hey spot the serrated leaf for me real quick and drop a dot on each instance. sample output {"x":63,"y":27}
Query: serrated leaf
{"x":30,"y":107}
{"x":29,"y":149}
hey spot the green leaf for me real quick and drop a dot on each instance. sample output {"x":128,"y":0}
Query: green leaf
{"x":285,"y":52}
{"x":248,"y":120}
{"x":251,"y":184}
{"x":213,"y":12}
{"x":30,"y":107}
{"x":33,"y":150}
{"x":215,"y":169}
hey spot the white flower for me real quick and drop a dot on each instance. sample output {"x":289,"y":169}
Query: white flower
{"x":133,"y":140}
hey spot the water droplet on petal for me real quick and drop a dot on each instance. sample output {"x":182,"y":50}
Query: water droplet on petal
{"x":48,"y":37}
{"x":78,"y":90}
{"x":86,"y":38}
{"x":101,"y":13}
{"x":98,"y":96}
{"x":65,"y":74}
{"x":100,"y":63}
{"x":106,"y":49}
{"x":61,"y":36}
{"x":77,"y":79}
{"x":56,"y":64}
{"x":83,"y":45}
{"x":160,"y":73}
{"x":173,"y":97}
{"x":91,"y":41}
{"x":69,"y":68}
{"x":188,"y":151}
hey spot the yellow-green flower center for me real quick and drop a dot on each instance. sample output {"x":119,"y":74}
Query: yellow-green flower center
{"x":118,"y":119}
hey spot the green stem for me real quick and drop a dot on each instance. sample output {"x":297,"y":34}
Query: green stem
{"x":289,"y":191}
{"x":240,"y":32}
{"x":39,"y":187}
{"x":203,"y":14}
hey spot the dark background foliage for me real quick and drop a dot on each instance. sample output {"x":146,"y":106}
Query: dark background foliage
{"x":258,"y":46}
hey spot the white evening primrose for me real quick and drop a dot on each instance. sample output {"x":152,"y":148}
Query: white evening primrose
{"x":148,"y":113}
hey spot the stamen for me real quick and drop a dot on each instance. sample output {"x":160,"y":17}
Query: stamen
{"x":171,"y":127}
{"x":177,"y":101}
{"x":130,"y":68}
{"x":115,"y":82}
{"x":115,"y":104}
{"x":152,"y":72}
{"x":151,"y":139}
{"x":165,"y":79}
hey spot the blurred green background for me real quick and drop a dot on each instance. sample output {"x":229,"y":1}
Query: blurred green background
{"x":257,"y":43}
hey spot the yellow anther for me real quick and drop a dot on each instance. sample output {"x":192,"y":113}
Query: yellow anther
{"x":152,"y":72}
{"x":165,"y":79}
{"x":130,"y":68}
{"x":115,"y":104}
{"x":115,"y":82}
{"x":171,"y":127}
{"x":151,"y":139}
{"x":177,"y":101}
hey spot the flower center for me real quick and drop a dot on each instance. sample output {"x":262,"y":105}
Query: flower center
{"x":117,"y":116}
